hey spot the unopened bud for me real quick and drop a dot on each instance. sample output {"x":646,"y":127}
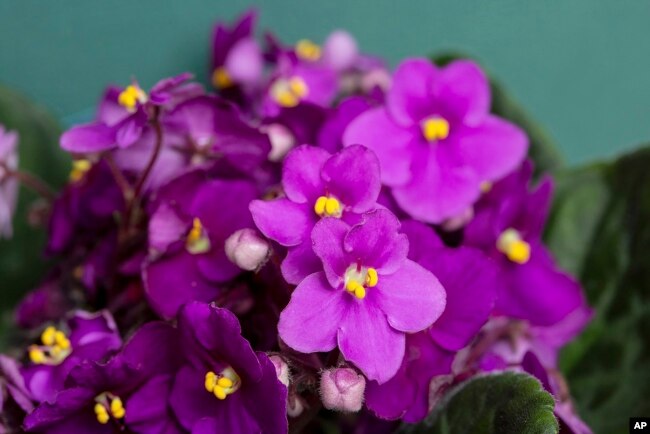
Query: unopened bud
{"x":340,"y":50}
{"x":342,"y":389}
{"x":246,"y":249}
{"x":295,"y":406}
{"x":281,"y":369}
{"x":282,"y":140}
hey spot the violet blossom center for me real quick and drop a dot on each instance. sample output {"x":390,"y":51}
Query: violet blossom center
{"x":221,"y":79}
{"x":222,"y":384}
{"x":308,"y":50}
{"x":289,"y":92}
{"x":435,"y":128}
{"x":358,"y":278}
{"x":511,"y":244}
{"x":131,"y":96}
{"x":197,"y":240}
{"x":108,"y":406}
{"x":55,"y":347}
{"x":328,"y":206}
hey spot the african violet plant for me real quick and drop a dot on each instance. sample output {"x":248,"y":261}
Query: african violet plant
{"x":315,"y":245}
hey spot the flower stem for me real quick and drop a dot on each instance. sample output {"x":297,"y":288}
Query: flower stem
{"x":119,"y":177}
{"x":154,"y":155}
{"x":30,"y":181}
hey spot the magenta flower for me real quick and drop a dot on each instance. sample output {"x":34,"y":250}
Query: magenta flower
{"x":189,"y":225}
{"x":8,"y":184}
{"x":316,"y":185}
{"x":123,"y":115}
{"x":236,"y":55}
{"x":508,"y":225}
{"x":436,"y":140}
{"x":368,"y":296}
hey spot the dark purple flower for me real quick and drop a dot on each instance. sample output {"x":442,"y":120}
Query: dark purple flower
{"x":236,"y":56}
{"x":84,"y":337}
{"x":508,"y":225}
{"x":188,"y":228}
{"x":15,"y":399}
{"x":368,"y":296}
{"x":316,"y":185}
{"x":470,"y":283}
{"x":123,"y":115}
{"x":436,"y":140}
{"x":223,"y":379}
{"x":8,"y":184}
{"x":44,"y":304}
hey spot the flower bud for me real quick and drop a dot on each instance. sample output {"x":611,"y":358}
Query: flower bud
{"x":246,"y":249}
{"x":282,"y":140}
{"x":281,"y":369}
{"x":340,"y":50}
{"x":342,"y":389}
{"x":295,"y":405}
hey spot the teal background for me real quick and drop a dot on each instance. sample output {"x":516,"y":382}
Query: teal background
{"x":581,"y":67}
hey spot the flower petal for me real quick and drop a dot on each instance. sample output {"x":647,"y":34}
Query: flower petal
{"x":301,"y":178}
{"x":366,"y":339}
{"x":311,"y":319}
{"x":390,"y":142}
{"x":281,"y":220}
{"x":493,"y":149}
{"x":327,"y":240}
{"x":300,"y":262}
{"x":409,"y":99}
{"x":88,"y":138}
{"x":412,"y":297}
{"x":352,"y":175}
{"x":464,"y":90}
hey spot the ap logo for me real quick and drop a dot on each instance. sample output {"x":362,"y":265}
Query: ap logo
{"x":639,"y":425}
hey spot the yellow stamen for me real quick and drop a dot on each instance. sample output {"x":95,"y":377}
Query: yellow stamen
{"x":49,"y":335}
{"x":513,"y":246}
{"x":196,"y":231}
{"x":221,"y":79}
{"x":332,"y":206}
{"x":210,"y":381}
{"x":486,"y":186}
{"x":131,"y":96}
{"x":372,"y":278}
{"x":224,"y":382}
{"x":79,"y":169}
{"x":219,"y":392}
{"x":61,"y":340}
{"x":435,"y":128}
{"x":102,"y":414}
{"x":197,"y":240}
{"x":360,"y":293}
{"x":327,"y":206}
{"x":319,"y":206}
{"x":222,"y":385}
{"x":36,"y":355}
{"x":117,"y":408}
{"x":307,"y":50}
{"x":298,"y":86}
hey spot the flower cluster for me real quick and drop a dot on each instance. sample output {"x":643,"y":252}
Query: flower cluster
{"x":312,"y":234}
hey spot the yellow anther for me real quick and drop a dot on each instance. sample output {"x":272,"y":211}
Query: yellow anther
{"x":332,"y":206}
{"x":352,"y":286}
{"x":219,"y":392}
{"x":210,"y":381}
{"x":298,"y":86}
{"x":435,"y":128}
{"x":319,"y":206}
{"x":513,"y":246}
{"x":360,"y":292}
{"x":79,"y":169}
{"x":486,"y":186}
{"x":61,"y":340}
{"x":286,"y":99}
{"x":48,"y":337}
{"x":101,"y":413}
{"x":117,"y":408}
{"x":131,"y":96}
{"x":307,"y":50}
{"x":221,"y":79}
{"x":372,"y":278}
{"x":224,"y":382}
{"x":36,"y":355}
{"x":196,"y":231}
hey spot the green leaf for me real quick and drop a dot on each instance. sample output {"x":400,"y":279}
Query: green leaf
{"x":543,"y":150}
{"x":506,"y":403}
{"x":599,"y":229}
{"x":21,"y":259}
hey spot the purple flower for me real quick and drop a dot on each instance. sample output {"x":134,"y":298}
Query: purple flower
{"x":8,"y":184}
{"x":296,"y":81}
{"x":436,"y":140}
{"x":236,"y":55}
{"x":84,"y":336}
{"x":470,"y":283}
{"x":330,"y":136}
{"x":223,"y":383}
{"x":190,"y":222}
{"x":508,"y":225}
{"x":316,"y":185}
{"x":124,"y":114}
{"x":368,"y":296}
